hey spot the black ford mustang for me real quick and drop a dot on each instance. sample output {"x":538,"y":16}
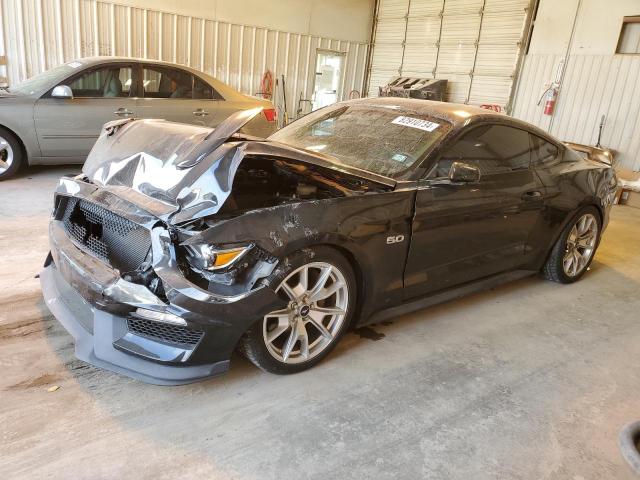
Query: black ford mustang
{"x":179,"y":244}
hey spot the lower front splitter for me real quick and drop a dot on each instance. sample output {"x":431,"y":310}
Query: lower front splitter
{"x":95,"y":332}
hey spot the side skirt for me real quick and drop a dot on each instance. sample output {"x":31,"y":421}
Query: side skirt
{"x":444,"y":296}
{"x":56,"y":160}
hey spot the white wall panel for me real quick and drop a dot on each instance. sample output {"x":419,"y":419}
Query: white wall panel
{"x":593,"y":85}
{"x":3,"y":68}
{"x":474,"y":44}
{"x":348,"y":20}
{"x":40,"y":34}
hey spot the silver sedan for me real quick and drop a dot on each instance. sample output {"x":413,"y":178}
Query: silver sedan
{"x":56,"y":117}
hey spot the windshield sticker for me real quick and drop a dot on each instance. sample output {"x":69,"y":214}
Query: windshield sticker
{"x":74,"y":64}
{"x":418,"y":123}
{"x":398,"y":157}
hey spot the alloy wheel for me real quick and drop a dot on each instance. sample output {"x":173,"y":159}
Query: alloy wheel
{"x":318,"y":298}
{"x":581,"y":244}
{"x":6,"y":155}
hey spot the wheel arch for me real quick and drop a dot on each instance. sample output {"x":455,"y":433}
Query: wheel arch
{"x":358,"y":273}
{"x":350,"y":252}
{"x":591,"y":202}
{"x":347,"y":254}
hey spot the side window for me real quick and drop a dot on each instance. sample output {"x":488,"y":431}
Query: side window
{"x":542,"y":152}
{"x":162,"y":82}
{"x":202,"y":90}
{"x":105,"y":82}
{"x":492,"y":149}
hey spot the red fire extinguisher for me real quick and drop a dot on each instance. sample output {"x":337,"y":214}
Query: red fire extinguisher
{"x":550,"y":96}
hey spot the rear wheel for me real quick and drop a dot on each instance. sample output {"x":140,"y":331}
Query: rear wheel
{"x":320,"y":294}
{"x":10,"y":154}
{"x":573,"y":252}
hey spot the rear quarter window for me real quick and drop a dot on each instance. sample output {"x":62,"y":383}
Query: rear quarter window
{"x":544,"y":153}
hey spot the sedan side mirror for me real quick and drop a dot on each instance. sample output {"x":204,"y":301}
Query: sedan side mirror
{"x":464,"y":173}
{"x":62,"y":91}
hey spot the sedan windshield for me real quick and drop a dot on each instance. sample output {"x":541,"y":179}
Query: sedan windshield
{"x":380,"y":139}
{"x":45,"y":80}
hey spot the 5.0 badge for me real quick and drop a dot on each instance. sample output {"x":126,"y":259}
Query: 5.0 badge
{"x":395,"y":239}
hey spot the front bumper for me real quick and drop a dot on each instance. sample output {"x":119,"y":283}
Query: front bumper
{"x":97,"y":306}
{"x":97,"y":335}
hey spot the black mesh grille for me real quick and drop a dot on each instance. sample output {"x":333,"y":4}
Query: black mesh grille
{"x":114,"y":239}
{"x":164,"y":332}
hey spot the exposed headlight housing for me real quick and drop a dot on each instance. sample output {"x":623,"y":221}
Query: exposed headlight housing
{"x":209,"y":257}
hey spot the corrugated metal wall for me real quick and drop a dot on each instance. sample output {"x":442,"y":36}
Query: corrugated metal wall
{"x":474,"y":44}
{"x":40,"y":34}
{"x":593,"y":85}
{"x":3,"y":59}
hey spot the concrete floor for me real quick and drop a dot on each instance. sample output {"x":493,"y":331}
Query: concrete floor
{"x":532,"y":380}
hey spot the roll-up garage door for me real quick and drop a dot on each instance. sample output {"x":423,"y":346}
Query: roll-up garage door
{"x":474,"y":44}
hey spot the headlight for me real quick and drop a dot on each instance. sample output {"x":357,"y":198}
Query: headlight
{"x":208,"y":257}
{"x":159,"y":316}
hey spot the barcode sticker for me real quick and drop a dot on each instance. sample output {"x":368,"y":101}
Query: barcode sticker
{"x":418,"y":123}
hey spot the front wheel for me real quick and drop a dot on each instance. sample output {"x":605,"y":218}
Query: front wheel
{"x":320,"y":290}
{"x":10,"y":154}
{"x":573,"y":252}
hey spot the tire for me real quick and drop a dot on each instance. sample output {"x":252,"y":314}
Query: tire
{"x":276,"y":343}
{"x":11,"y":154}
{"x":561,"y":267}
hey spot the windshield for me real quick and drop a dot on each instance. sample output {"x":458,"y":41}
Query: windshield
{"x":380,"y":139}
{"x":45,"y":80}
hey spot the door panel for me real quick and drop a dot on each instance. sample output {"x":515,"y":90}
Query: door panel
{"x":465,"y":231}
{"x":196,"y":112}
{"x":70,"y":127}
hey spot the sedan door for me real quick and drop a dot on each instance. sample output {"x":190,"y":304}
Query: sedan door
{"x":68,"y":128}
{"x":465,"y":231}
{"x":176,"y":95}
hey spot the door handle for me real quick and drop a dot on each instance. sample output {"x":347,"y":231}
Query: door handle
{"x":123,"y":111}
{"x":532,"y":195}
{"x":200,"y":112}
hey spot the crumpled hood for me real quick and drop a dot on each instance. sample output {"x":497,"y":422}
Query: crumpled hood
{"x":180,"y":172}
{"x":175,"y":171}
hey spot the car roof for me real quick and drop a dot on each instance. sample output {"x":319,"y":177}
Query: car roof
{"x":457,"y":114}
{"x":454,"y":113}
{"x":227,"y":91}
{"x":108,"y":59}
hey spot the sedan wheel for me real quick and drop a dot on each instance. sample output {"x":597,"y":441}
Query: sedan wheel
{"x":318,"y":299}
{"x":6,"y":155}
{"x":581,"y":244}
{"x":10,"y":154}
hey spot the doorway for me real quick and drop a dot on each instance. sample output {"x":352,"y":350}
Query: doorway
{"x":327,"y":87}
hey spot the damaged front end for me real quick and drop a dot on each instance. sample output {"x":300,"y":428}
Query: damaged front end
{"x":162,"y":250}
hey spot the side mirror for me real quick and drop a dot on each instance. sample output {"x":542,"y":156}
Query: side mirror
{"x":62,"y":91}
{"x":464,"y":173}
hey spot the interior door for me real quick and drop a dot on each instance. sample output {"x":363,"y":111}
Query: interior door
{"x":327,"y":86}
{"x":69,"y":127}
{"x":176,"y":95}
{"x":465,"y":231}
